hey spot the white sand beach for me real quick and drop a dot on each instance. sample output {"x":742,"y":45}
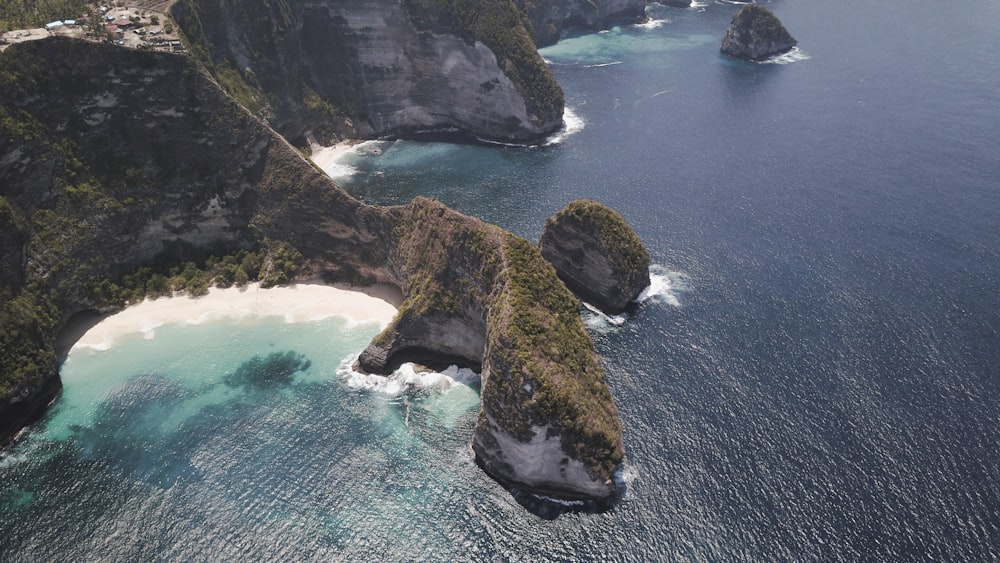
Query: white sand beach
{"x":334,"y":160}
{"x":295,"y":303}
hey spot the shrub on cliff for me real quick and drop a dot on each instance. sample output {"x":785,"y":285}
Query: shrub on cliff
{"x":502,"y":27}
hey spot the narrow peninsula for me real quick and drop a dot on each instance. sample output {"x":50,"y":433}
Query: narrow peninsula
{"x":756,"y":34}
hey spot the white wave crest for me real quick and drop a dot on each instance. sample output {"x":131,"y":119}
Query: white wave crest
{"x":406,"y":377}
{"x":793,"y":56}
{"x":599,"y":65}
{"x":665,"y":286}
{"x":572,"y":124}
{"x":652,"y":23}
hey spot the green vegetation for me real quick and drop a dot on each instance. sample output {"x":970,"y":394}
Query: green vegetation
{"x":232,"y":82}
{"x":276,"y":264}
{"x":505,"y":29}
{"x":622,"y":246}
{"x":318,"y":105}
{"x":22,"y":14}
{"x":27,"y":338}
{"x":548,"y":364}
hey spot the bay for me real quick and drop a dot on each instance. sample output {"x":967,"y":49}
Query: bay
{"x":815,"y":380}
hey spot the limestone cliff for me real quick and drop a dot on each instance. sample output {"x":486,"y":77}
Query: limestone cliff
{"x":597,"y":255}
{"x":330,"y":68}
{"x":550,"y":17}
{"x":483,"y":297}
{"x":111,"y":160}
{"x":756,"y":34}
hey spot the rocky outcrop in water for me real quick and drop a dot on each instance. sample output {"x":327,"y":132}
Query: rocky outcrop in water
{"x":333,"y":68}
{"x":112,"y":160}
{"x":756,"y":34}
{"x":597,"y":255}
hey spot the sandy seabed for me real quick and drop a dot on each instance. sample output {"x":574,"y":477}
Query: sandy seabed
{"x":301,"y":302}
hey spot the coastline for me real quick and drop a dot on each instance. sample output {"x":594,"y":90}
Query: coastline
{"x":301,"y":302}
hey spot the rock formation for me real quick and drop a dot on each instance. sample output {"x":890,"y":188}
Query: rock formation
{"x":549,"y":18}
{"x":111,"y":160}
{"x":329,"y":68}
{"x":756,"y":34}
{"x":596,"y":254}
{"x":676,"y":3}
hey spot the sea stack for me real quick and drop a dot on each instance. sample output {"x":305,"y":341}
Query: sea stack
{"x":596,"y":254}
{"x":756,"y":34}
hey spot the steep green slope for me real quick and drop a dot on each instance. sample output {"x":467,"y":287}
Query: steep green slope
{"x":119,"y":166}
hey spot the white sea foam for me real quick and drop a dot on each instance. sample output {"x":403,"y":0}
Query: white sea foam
{"x":652,"y":23}
{"x":665,"y":286}
{"x":599,"y":319}
{"x":599,"y":65}
{"x":793,"y":56}
{"x":572,"y":124}
{"x":404,"y":378}
{"x":339,"y":160}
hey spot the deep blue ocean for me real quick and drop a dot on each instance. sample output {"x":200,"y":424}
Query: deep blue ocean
{"x":816,"y":380}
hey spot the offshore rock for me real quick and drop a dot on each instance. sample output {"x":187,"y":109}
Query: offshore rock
{"x":326,"y":69}
{"x":756,"y":34}
{"x":597,"y":255}
{"x":676,"y":3}
{"x":114,"y":159}
{"x":484,"y":298}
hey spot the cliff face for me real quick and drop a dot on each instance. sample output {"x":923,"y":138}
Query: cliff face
{"x":113,"y":159}
{"x":367,"y":69}
{"x":484,"y":297}
{"x":756,"y":34}
{"x":550,"y":17}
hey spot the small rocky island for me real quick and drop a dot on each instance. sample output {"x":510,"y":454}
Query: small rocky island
{"x":756,"y":34}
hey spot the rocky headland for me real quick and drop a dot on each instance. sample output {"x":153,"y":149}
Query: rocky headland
{"x":756,"y":34}
{"x":115,"y":162}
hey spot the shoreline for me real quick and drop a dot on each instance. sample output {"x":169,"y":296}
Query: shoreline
{"x":302,"y":302}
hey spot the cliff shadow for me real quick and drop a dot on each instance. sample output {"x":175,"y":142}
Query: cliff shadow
{"x":73,"y":331}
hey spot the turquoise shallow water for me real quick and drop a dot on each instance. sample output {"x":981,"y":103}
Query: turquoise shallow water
{"x":817,"y":384}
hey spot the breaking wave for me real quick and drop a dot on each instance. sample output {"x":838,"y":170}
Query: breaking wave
{"x":665,"y":286}
{"x":793,"y":56}
{"x":572,"y":124}
{"x":404,"y":378}
{"x":652,"y":24}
